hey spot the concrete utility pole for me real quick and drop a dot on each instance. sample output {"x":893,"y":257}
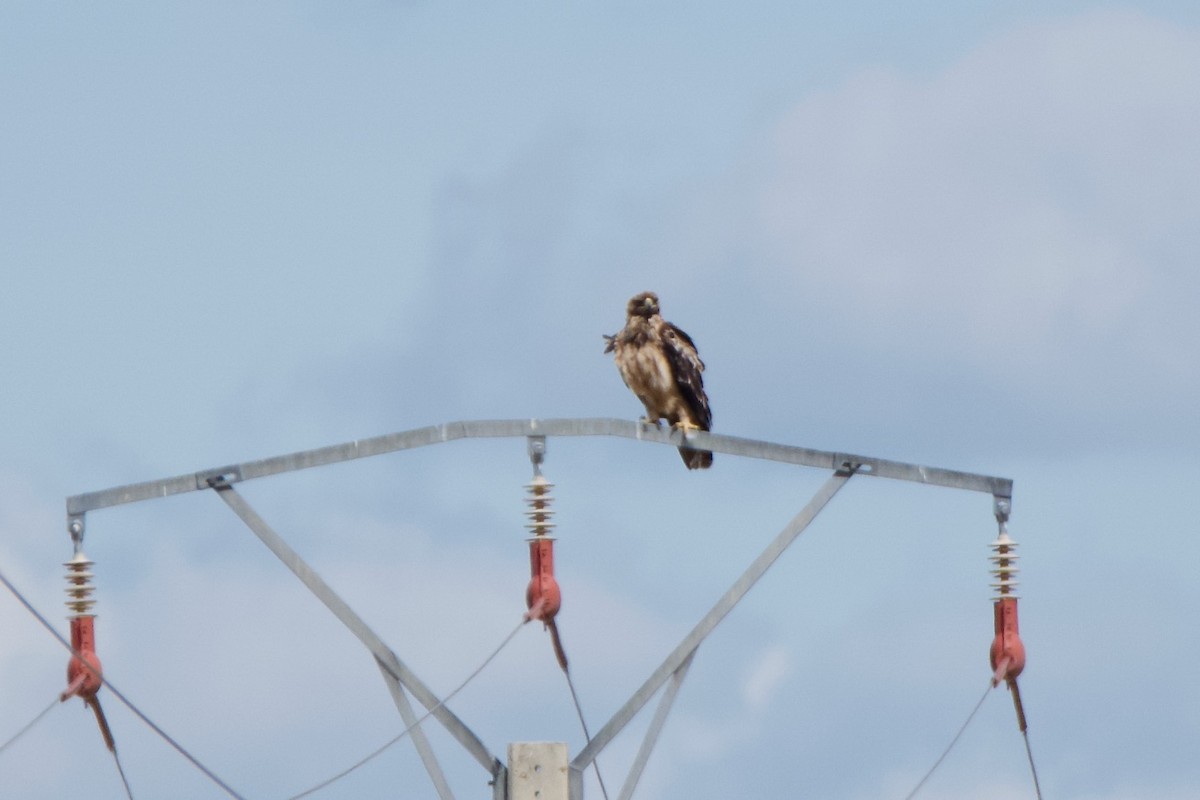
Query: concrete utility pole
{"x":537,"y":771}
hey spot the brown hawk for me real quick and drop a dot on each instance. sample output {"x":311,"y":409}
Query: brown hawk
{"x":660,"y":364}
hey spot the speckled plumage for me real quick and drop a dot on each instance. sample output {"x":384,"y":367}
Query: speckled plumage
{"x":659,"y":363}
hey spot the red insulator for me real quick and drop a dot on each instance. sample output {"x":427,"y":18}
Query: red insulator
{"x":542,"y":596}
{"x":83,"y":670}
{"x":1008,"y":652}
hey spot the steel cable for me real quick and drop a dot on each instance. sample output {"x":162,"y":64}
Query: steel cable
{"x":29,"y":726}
{"x":586,"y":735}
{"x":416,"y":724}
{"x":120,"y":696}
{"x":121,"y":772}
{"x":950,"y":746}
{"x":1024,"y":725}
{"x":561,"y":654}
{"x":1036,"y":786}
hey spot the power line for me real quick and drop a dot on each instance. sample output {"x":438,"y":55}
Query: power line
{"x":411,"y":728}
{"x":57,"y":701}
{"x":586,"y":735}
{"x":1036,"y":786}
{"x":950,"y":746}
{"x":1024,"y":726}
{"x":562,"y":661}
{"x":29,"y":726}
{"x":120,"y":696}
{"x":121,"y":772}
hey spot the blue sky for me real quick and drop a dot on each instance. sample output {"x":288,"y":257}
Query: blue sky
{"x":954,"y":234}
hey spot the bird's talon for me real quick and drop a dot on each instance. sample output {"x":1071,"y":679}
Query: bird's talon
{"x":686,"y":428}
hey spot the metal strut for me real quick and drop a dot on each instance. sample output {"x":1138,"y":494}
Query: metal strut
{"x":396,"y":674}
{"x":674,"y":667}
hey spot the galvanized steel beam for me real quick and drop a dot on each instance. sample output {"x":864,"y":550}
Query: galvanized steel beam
{"x":80,"y":504}
{"x":394,"y":668}
{"x":656,"y":725}
{"x":682,"y":654}
{"x":420,"y":741}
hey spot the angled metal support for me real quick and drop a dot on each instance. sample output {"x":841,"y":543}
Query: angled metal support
{"x":500,"y":784}
{"x":685,"y":650}
{"x":397,"y":675}
{"x":418,"y":736}
{"x":656,"y":725}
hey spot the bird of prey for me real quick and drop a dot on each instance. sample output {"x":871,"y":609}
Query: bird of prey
{"x":659,"y":363}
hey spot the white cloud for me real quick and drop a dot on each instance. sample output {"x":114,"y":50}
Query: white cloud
{"x":975,"y":186}
{"x":1028,"y":213}
{"x":765,"y":675}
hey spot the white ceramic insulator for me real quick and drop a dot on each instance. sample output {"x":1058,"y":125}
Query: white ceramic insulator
{"x":539,"y":500}
{"x":1005,"y":569}
{"x":80,"y":588}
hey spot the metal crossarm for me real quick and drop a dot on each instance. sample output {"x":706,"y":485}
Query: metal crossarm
{"x":80,"y":504}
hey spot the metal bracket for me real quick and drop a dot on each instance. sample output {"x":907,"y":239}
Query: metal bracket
{"x":212,"y":478}
{"x":537,"y":452}
{"x":76,"y":527}
{"x":1002,"y":506}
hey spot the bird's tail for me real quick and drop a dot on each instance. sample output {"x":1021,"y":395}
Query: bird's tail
{"x":696,"y":459}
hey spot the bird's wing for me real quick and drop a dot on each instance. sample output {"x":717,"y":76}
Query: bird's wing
{"x":688,"y":371}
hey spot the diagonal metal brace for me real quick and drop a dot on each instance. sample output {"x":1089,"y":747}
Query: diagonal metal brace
{"x":389,"y":663}
{"x":424,"y":750}
{"x":682,"y":654}
{"x":656,"y":725}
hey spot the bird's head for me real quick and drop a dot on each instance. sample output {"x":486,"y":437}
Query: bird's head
{"x":643,"y":305}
